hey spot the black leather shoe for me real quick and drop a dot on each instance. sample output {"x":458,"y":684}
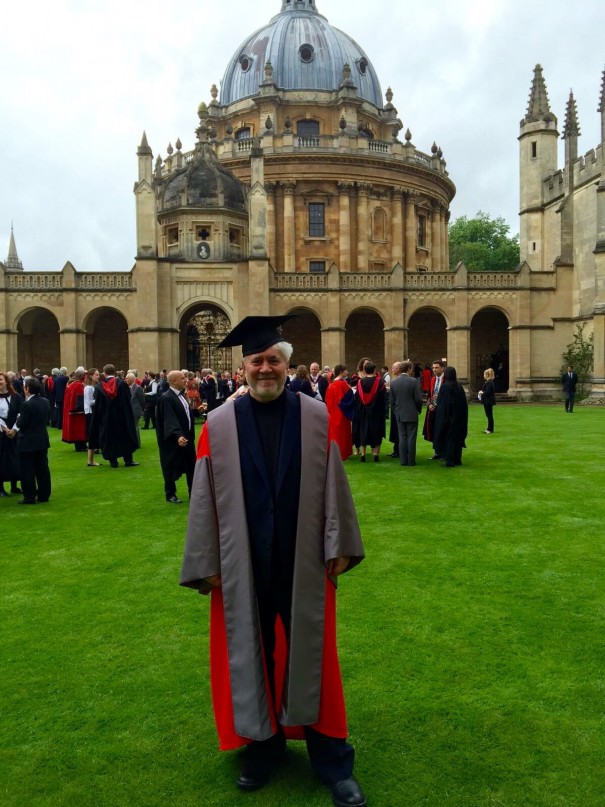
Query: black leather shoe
{"x":253,"y":778}
{"x":113,"y":463}
{"x":174,"y":500}
{"x":348,"y":793}
{"x":3,"y":494}
{"x":27,"y":501}
{"x":16,"y":490}
{"x":131,"y":464}
{"x":394,"y":456}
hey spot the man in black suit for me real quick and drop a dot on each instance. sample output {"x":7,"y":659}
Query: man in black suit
{"x":61,"y":382}
{"x":569,"y":381}
{"x":176,"y":436}
{"x":32,"y":436}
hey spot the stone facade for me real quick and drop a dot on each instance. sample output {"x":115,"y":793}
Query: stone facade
{"x":306,"y":200}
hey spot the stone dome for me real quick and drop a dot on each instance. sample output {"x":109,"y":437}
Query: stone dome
{"x":204,"y":182}
{"x":306,"y":53}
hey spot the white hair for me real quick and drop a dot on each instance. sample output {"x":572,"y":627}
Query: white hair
{"x":286,"y":349}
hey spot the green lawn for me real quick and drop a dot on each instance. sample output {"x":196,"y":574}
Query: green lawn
{"x":472,"y":637}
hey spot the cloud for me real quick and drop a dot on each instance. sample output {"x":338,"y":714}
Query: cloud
{"x":81,"y":80}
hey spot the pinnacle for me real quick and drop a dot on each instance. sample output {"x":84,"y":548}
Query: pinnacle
{"x":538,"y":107}
{"x":571,"y":127}
{"x":602,"y":98}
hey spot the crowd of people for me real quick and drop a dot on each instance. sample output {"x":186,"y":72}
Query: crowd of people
{"x":101,"y":412}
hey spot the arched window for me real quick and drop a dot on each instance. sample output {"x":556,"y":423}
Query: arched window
{"x":379,"y":224}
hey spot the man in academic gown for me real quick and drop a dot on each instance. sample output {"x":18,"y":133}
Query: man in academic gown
{"x":176,"y":436}
{"x":271,"y":526}
{"x":112,"y":428}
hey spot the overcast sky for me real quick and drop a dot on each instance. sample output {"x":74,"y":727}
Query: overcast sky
{"x":81,"y":79}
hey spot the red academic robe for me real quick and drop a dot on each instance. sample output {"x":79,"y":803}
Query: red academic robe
{"x":340,"y":425}
{"x":332,"y":715}
{"x":74,"y":421}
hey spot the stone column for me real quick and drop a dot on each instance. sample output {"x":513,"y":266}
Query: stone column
{"x":396,"y":227}
{"x":363,"y":192}
{"x":410,"y":233}
{"x":271,"y":225}
{"x":344,"y":201}
{"x":436,"y":264}
{"x":289,"y":227}
{"x":445,"y":242}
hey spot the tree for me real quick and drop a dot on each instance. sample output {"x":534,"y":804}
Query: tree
{"x":580,"y":355}
{"x":483,"y":243}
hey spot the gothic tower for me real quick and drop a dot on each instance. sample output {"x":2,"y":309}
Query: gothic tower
{"x":537,"y":159}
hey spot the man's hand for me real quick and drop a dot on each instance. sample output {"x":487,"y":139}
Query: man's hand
{"x":182,"y":441}
{"x":10,"y":433}
{"x":337,"y":566}
{"x":214,"y":581}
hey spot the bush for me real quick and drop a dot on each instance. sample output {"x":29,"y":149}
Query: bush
{"x":580,"y":355}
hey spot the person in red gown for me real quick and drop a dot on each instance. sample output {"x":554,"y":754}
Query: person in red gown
{"x":340,"y":402}
{"x":74,"y":419}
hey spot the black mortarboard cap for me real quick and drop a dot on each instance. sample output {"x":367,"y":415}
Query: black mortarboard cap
{"x":256,"y":334}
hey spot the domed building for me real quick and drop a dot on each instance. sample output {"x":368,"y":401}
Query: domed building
{"x":339,"y":207}
{"x":305,"y":194}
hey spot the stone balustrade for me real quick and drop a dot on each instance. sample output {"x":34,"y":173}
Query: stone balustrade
{"x":416,"y":281}
{"x":288,"y":142}
{"x":105,"y":280}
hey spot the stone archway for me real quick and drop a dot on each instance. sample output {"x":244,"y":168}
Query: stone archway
{"x":38,"y":342}
{"x":304,"y":333}
{"x":364,"y":336}
{"x":107,"y":339}
{"x":489,"y":348}
{"x":427,"y":336}
{"x":202,"y":329}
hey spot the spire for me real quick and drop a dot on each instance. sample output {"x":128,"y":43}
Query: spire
{"x":13,"y":264}
{"x":144,"y":147}
{"x":571,"y":127}
{"x":538,"y":108}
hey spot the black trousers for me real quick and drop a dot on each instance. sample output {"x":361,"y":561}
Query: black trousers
{"x":331,"y":758}
{"x":149,"y":414}
{"x":170,"y":483}
{"x":489,"y":414}
{"x":35,"y":475}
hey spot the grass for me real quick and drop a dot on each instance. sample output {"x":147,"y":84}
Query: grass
{"x":471,"y":637}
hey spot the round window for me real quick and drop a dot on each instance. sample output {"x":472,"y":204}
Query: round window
{"x":244,"y":63}
{"x":306,"y":53}
{"x":363,"y":66}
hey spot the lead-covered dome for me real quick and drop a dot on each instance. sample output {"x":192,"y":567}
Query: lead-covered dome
{"x":204,"y":182}
{"x":306,"y":53}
